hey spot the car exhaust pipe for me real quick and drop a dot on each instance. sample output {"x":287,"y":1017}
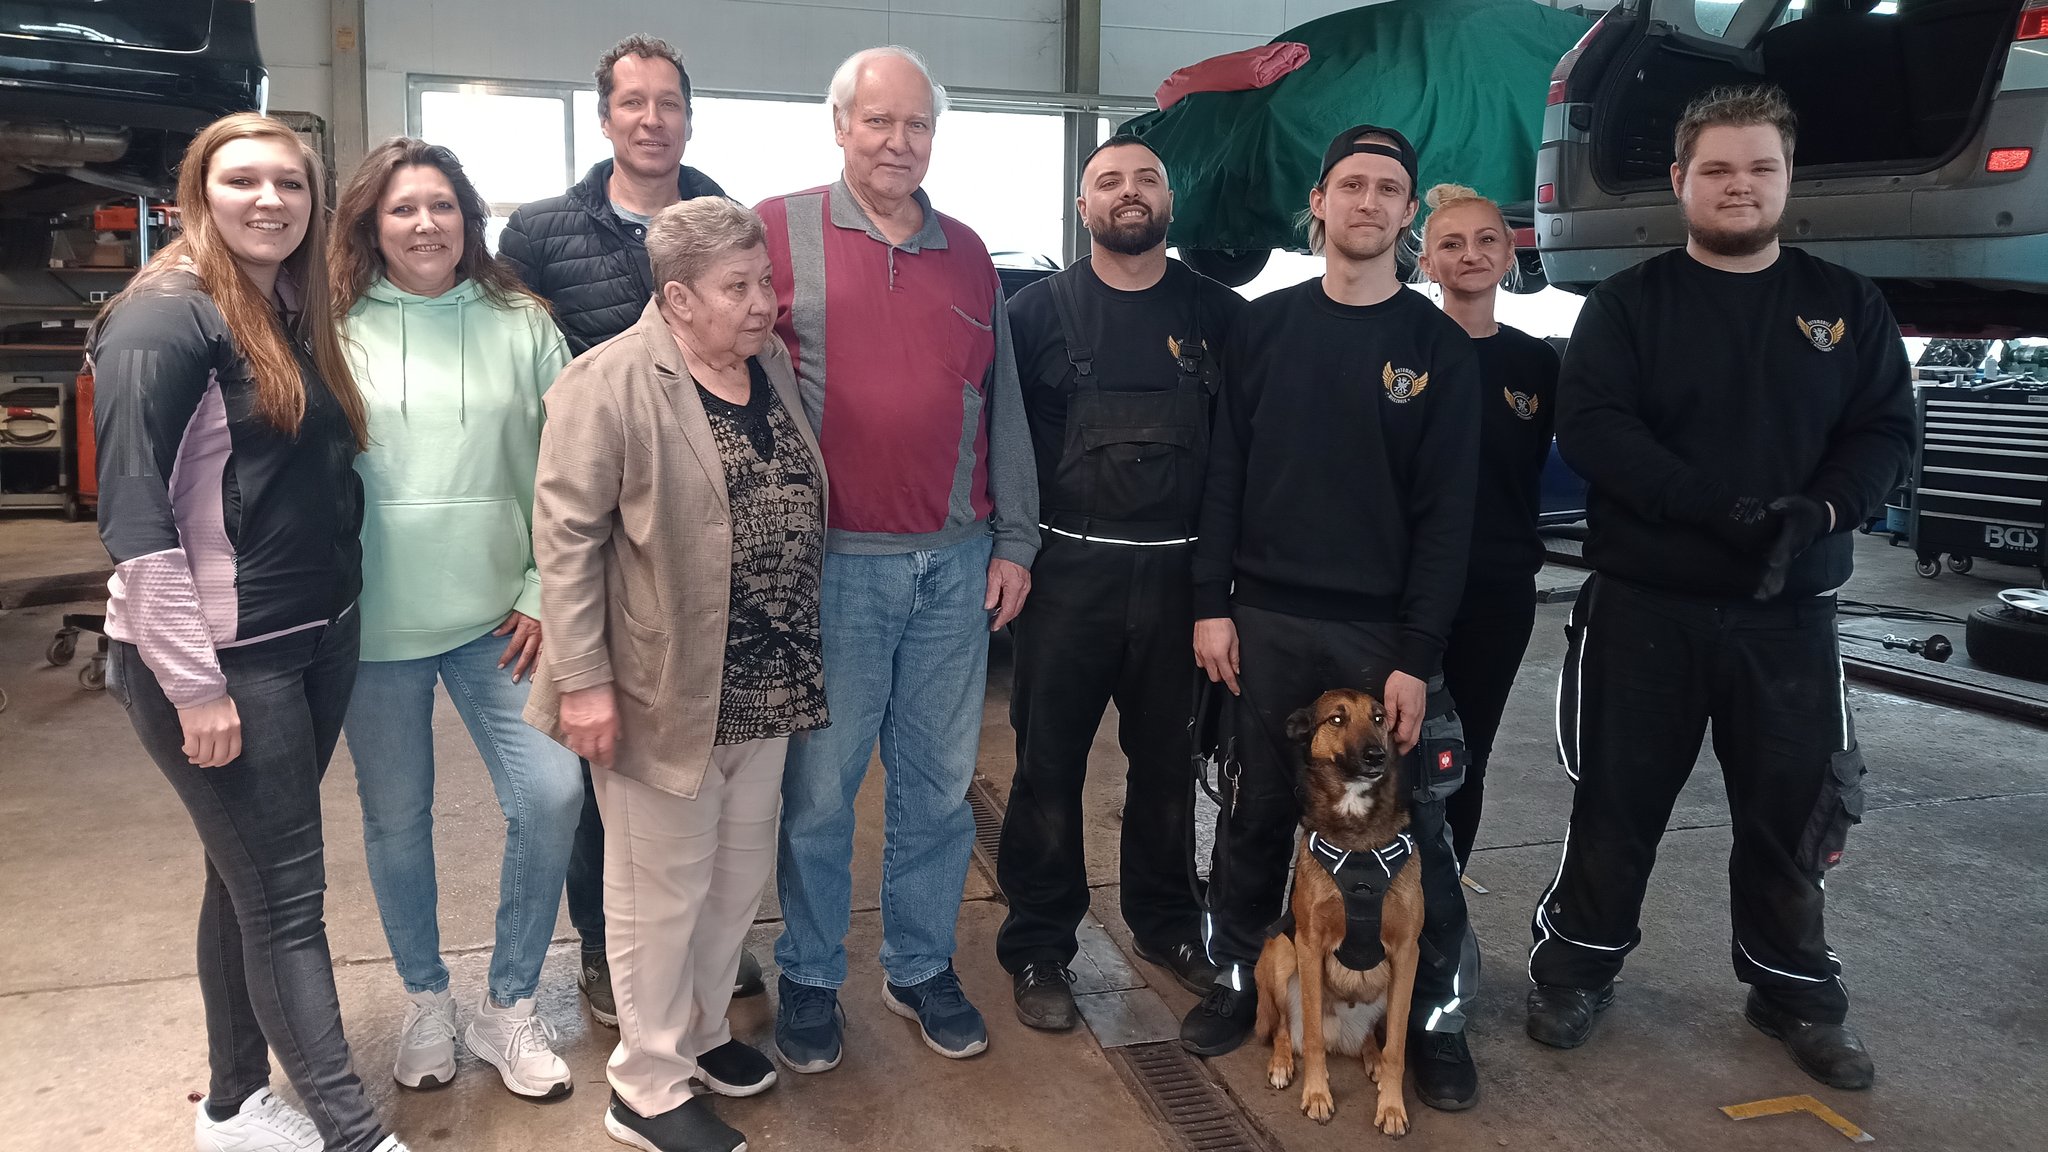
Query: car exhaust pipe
{"x":60,"y":145}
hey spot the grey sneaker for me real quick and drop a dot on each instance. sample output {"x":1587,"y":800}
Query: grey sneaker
{"x":594,"y":978}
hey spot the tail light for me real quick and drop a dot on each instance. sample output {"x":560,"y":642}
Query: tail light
{"x":1563,"y":71}
{"x":1545,"y":193}
{"x":2033,"y":21}
{"x":2008,"y":159}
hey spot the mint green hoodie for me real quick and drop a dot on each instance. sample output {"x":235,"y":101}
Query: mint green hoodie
{"x":453,"y":384}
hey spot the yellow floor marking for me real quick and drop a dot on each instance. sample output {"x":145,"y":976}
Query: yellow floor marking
{"x":1784,"y":1104}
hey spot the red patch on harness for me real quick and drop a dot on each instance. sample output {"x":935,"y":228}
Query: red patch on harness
{"x":1445,"y":761}
{"x":1834,"y":858}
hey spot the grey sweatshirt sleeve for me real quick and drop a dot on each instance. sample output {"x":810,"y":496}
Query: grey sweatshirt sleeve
{"x":1012,"y":467}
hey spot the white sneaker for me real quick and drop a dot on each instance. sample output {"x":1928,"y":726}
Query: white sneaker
{"x":426,"y":1043}
{"x":515,"y":1041}
{"x":264,"y":1124}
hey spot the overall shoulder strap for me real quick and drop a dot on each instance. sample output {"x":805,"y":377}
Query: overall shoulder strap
{"x":1066,"y":300}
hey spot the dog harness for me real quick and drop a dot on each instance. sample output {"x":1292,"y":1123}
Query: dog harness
{"x":1362,"y":878}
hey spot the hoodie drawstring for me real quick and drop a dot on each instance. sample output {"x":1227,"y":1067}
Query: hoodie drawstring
{"x":462,"y":362}
{"x":404,"y":376}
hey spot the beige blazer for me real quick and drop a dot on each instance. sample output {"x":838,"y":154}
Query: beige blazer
{"x":632,"y":533}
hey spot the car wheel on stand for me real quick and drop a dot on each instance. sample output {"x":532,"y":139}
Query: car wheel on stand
{"x":2010,"y":640}
{"x":1235,"y":269}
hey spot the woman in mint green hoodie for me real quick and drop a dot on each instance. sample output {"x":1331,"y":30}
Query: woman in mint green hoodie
{"x":452,"y":355}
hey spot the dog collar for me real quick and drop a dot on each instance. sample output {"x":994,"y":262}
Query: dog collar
{"x":1362,"y":878}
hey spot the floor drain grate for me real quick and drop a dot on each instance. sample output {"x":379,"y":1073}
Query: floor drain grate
{"x":988,"y":825}
{"x":1200,"y":1114}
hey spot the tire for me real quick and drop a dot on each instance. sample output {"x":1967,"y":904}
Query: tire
{"x":1928,"y":568}
{"x":1234,"y":269}
{"x":1961,"y":565}
{"x":93,"y":677}
{"x":2008,"y":641}
{"x":1527,"y":279}
{"x":62,"y":649}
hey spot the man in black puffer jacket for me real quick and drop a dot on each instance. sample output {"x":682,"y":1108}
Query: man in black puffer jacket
{"x":586,"y":250}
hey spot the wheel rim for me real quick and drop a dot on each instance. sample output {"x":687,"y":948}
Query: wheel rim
{"x":2033,"y":601}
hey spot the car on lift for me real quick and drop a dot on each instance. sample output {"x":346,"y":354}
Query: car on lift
{"x":1922,"y":128}
{"x":100,"y":97}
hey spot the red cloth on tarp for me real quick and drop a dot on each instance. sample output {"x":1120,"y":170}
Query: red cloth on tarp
{"x":1233,"y":71}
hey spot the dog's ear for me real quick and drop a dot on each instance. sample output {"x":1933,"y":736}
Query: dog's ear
{"x":1300,"y":724}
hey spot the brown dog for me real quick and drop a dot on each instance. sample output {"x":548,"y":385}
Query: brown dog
{"x":1308,"y":1001}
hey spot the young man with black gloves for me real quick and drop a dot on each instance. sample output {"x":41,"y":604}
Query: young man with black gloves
{"x":1118,"y":356}
{"x":1334,"y":533}
{"x":1737,"y":408}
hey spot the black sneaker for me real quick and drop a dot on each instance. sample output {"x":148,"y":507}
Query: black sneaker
{"x":1445,"y":1077}
{"x":1188,"y":962}
{"x":1045,"y":996}
{"x":688,"y":1127}
{"x":748,"y":982}
{"x":734,"y":1069}
{"x":1563,"y":1017}
{"x":1221,"y":1021}
{"x":1830,"y":1053}
{"x":594,"y":977}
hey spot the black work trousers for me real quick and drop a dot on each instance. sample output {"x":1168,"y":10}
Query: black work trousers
{"x":1645,"y":673}
{"x":1485,"y":651}
{"x":1285,"y":663}
{"x":1103,"y":622}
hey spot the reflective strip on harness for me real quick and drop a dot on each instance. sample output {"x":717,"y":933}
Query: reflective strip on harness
{"x":1362,"y":879}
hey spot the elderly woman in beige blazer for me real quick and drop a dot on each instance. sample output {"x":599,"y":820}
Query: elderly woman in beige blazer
{"x":679,"y":518}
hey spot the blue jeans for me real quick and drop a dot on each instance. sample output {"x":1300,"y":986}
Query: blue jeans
{"x":906,"y":659}
{"x":265,"y":973}
{"x":390,"y":729}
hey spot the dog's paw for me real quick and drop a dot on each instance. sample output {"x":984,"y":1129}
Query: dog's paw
{"x":1318,"y":1104}
{"x":1392,"y":1117}
{"x":1280,"y":1073}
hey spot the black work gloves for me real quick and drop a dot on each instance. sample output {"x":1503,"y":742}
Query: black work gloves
{"x":1748,"y":525}
{"x":1799,"y":520}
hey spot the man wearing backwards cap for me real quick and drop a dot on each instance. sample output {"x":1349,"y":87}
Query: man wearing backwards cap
{"x":1335,"y":524}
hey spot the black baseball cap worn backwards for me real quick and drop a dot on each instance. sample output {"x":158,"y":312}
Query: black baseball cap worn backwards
{"x":1348,"y":143}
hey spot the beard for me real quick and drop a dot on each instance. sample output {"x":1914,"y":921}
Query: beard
{"x":1733,"y":242}
{"x":1133,"y":239}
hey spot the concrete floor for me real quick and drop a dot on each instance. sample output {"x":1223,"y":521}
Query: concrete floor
{"x":1940,"y":914}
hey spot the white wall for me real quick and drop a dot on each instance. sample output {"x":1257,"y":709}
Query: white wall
{"x":741,"y":45}
{"x":292,"y":35}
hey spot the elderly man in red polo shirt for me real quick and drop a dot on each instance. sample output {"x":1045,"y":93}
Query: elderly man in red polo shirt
{"x":894,"y":316}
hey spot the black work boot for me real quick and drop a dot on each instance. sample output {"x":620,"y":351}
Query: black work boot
{"x":1830,"y":1053}
{"x":1563,"y":1017}
{"x":1188,"y":962}
{"x":748,"y":982}
{"x":1445,"y":1077}
{"x":1045,"y":996}
{"x":1223,"y":1019}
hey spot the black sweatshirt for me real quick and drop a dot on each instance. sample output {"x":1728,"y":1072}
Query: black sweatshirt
{"x":1517,"y":413}
{"x":1686,"y":388}
{"x":1343,"y":465}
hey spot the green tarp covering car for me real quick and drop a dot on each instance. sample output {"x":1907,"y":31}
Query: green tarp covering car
{"x":1464,"y":79}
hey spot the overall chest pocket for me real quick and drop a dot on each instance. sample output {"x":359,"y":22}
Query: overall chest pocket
{"x":1136,"y":457}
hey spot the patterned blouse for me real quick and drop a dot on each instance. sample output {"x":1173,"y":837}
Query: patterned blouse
{"x":774,"y":682}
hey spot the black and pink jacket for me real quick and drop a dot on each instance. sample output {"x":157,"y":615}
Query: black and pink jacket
{"x":224,"y":531}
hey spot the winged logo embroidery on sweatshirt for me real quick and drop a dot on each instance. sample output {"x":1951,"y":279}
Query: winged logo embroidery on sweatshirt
{"x":1524,"y":404}
{"x":1403,"y":384}
{"x":1825,"y":336}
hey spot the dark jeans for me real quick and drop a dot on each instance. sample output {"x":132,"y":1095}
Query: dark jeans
{"x":1104,"y":622}
{"x":264,"y":969}
{"x":1645,"y":673}
{"x":1485,"y":651}
{"x":1286,"y":662}
{"x":586,"y":871}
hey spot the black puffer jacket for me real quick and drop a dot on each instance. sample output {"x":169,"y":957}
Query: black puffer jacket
{"x":574,"y":250}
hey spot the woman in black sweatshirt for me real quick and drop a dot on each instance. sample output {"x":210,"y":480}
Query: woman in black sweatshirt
{"x":1466,"y":248}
